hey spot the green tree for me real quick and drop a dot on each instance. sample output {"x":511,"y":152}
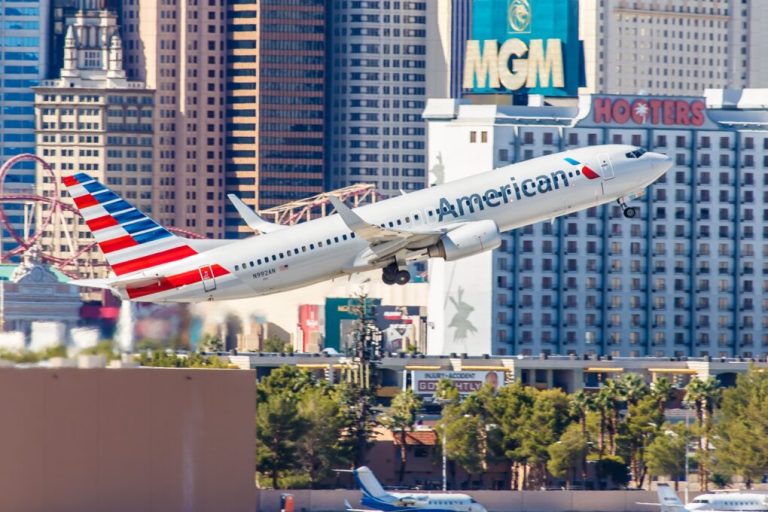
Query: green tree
{"x":549,"y":418}
{"x":104,"y":348}
{"x":279,"y":426}
{"x":511,"y":411}
{"x":581,"y":403}
{"x":633,"y":388}
{"x":639,"y":428}
{"x":567,"y":454}
{"x":358,"y":413}
{"x":704,"y":396}
{"x":401,"y":419}
{"x":446,"y":392}
{"x":210,"y":343}
{"x":463,"y":443}
{"x":273,"y":344}
{"x":319,"y":448}
{"x":742,"y":444}
{"x":666,"y":453}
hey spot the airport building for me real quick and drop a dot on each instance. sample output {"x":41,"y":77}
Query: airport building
{"x":378,"y":81}
{"x":686,"y":277}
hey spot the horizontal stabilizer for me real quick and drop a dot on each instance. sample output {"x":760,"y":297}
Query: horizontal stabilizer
{"x":102,"y":284}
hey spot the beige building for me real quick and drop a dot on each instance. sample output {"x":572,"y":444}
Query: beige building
{"x":178,"y":49}
{"x":150,"y":439}
{"x":676,"y":47}
{"x":93,"y":120}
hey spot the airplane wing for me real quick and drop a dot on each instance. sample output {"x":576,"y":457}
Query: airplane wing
{"x":251,"y":218}
{"x":348,"y":508}
{"x":384,"y":242}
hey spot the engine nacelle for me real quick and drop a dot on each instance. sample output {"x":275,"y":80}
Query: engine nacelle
{"x":467,"y":240}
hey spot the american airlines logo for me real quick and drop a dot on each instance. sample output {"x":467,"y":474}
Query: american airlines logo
{"x":514,"y":191}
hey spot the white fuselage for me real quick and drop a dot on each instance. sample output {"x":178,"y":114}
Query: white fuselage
{"x":729,"y":502}
{"x":511,"y":196}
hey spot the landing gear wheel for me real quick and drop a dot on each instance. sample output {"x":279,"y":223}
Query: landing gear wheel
{"x":389,"y":274}
{"x":402,"y":277}
{"x":630,"y":212}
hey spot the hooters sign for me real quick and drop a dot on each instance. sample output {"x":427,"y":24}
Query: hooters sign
{"x":648,"y":111}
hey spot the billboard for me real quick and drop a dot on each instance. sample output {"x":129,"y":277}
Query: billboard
{"x":638,"y":111}
{"x":424,"y":383}
{"x":524,"y":45}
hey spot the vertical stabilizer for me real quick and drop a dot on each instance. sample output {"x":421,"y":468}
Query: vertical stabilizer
{"x":368,"y":483}
{"x":668,"y":499}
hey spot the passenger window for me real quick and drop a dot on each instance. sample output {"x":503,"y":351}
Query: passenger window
{"x":336,"y":239}
{"x":407,"y":219}
{"x":303,"y":248}
{"x":319,"y":244}
{"x":415,"y":217}
{"x":237,"y":267}
{"x":252,"y":264}
{"x":391,"y":224}
{"x":399,"y":222}
{"x":274,"y":258}
{"x":352,"y":235}
{"x":295,"y":251}
{"x":258,"y":262}
{"x":344,"y":237}
{"x":282,"y":256}
{"x":311,"y":247}
{"x":328,"y":241}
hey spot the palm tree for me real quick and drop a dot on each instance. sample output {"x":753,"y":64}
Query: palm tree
{"x":402,"y":419}
{"x":601,"y":404}
{"x":614,"y":390}
{"x":581,"y":402}
{"x":633,"y":388}
{"x":661,"y":390}
{"x":703,"y":395}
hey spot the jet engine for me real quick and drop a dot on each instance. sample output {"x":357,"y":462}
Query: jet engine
{"x":467,"y":240}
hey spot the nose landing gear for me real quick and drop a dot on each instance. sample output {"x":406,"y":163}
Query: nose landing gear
{"x":393,"y":274}
{"x":629,"y":211}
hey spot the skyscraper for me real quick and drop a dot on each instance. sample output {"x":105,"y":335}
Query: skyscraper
{"x":275,"y":82}
{"x":23,"y":63}
{"x":378,"y":80}
{"x":94,"y":120}
{"x":177,"y":48}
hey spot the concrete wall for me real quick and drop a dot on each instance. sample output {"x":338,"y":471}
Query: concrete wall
{"x":126,"y":439}
{"x":494,"y":501}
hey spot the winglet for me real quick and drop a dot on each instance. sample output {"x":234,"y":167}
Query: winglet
{"x":252,"y":218}
{"x":349,"y":217}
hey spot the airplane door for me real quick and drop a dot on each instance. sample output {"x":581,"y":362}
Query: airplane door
{"x":209,"y":281}
{"x":606,"y":168}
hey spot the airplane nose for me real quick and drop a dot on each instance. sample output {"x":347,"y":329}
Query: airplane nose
{"x":659,"y":163}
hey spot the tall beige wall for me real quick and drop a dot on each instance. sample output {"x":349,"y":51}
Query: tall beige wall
{"x":126,"y":440}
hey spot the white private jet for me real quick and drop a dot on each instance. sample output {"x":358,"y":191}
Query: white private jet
{"x":450,"y":221}
{"x":376,"y":497}
{"x":735,"y":501}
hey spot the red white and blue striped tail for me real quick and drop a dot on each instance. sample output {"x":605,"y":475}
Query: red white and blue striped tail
{"x":130,"y":240}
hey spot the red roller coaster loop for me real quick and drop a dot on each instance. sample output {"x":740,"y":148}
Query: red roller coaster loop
{"x":57,"y":207}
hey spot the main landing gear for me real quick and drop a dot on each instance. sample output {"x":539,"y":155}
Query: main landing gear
{"x":393,"y":274}
{"x":629,"y":211}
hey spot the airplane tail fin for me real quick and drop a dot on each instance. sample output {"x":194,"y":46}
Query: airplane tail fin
{"x":368,"y":483}
{"x":668,"y":499}
{"x":130,"y":240}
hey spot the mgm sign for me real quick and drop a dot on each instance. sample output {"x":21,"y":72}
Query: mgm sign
{"x":522,"y":45}
{"x":514,"y":65}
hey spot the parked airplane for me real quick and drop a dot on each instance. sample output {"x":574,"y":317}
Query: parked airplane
{"x":450,"y":221}
{"x":738,"y":501}
{"x":375,"y":496}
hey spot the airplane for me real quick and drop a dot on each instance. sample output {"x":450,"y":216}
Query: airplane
{"x":731,"y":501}
{"x":450,"y":221}
{"x":375,"y":496}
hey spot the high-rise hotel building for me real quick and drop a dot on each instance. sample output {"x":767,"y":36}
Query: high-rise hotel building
{"x":92,"y":119}
{"x":378,"y":80}
{"x":178,"y":48}
{"x":275,"y":102}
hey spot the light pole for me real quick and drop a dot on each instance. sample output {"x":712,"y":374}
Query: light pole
{"x":686,"y":455}
{"x":445,"y":463}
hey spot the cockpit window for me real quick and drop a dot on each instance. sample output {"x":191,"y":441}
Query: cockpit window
{"x":636,"y":153}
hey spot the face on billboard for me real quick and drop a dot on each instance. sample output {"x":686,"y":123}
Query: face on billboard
{"x":425,"y":382}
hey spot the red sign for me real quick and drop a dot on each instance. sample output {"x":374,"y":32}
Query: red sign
{"x":657,"y":112}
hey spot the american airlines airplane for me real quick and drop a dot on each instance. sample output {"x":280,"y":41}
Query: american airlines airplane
{"x":375,"y":496}
{"x":450,"y":221}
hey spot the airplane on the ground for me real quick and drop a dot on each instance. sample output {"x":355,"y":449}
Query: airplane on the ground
{"x":732,"y":501}
{"x":379,"y":499}
{"x":451,"y":221}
